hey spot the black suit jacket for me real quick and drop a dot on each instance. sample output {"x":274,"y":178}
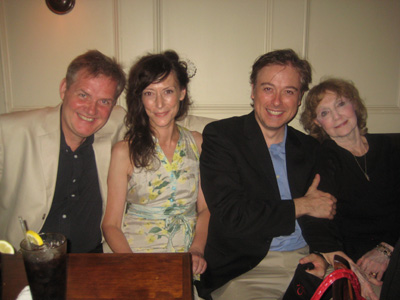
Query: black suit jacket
{"x":242,"y":194}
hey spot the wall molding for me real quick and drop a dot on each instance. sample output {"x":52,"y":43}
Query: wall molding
{"x":157,"y":26}
{"x":372,"y":110}
{"x":269,"y":18}
{"x":234,"y":110}
{"x":117,"y":26}
{"x":223,"y":109}
{"x":219,"y":110}
{"x":306,"y":28}
{"x":5,"y":59}
{"x":398,"y":91}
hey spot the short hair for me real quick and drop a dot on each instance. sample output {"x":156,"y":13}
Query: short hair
{"x":284,"y":57}
{"x":340,"y":87}
{"x":95,"y":64}
{"x":147,"y":70}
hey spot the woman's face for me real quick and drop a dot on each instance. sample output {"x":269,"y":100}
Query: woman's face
{"x":161,"y":101}
{"x":336,"y":115}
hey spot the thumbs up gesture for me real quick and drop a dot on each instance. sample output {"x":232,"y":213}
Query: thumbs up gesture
{"x":316,"y":203}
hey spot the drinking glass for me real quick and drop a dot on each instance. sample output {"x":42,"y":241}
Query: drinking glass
{"x":46,"y":266}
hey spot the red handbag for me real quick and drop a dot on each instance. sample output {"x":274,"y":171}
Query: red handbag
{"x":345,"y":283}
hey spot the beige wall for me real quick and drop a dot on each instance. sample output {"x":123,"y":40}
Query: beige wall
{"x":356,"y":39}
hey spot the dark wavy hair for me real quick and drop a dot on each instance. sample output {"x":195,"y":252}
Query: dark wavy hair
{"x":284,"y":57}
{"x":152,"y":68}
{"x":340,"y":87}
{"x":96,"y":63}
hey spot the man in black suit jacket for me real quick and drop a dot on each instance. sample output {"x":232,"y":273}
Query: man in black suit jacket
{"x":248,"y":166}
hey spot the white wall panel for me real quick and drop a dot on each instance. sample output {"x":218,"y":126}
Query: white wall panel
{"x":41,"y":44}
{"x":289,"y":19}
{"x":356,"y":39}
{"x":4,"y":77}
{"x":360,"y":41}
{"x":137,"y":27}
{"x":222,"y":38}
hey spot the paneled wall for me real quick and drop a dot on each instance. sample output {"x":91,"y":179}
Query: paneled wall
{"x":357,"y":40}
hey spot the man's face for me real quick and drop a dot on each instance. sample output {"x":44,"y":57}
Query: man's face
{"x":277,"y":96}
{"x":87,"y":105}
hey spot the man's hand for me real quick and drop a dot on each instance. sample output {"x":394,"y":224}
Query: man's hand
{"x":316,"y":203}
{"x":320,"y":265}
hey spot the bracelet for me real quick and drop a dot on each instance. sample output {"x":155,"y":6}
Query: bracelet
{"x":385,"y":250}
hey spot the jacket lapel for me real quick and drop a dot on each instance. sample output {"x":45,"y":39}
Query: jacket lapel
{"x":298,"y":164}
{"x":49,"y":141}
{"x":259,"y":156}
{"x":102,"y":151}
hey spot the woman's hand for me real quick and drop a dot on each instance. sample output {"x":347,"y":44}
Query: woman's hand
{"x":374,"y":264}
{"x":199,"y":264}
{"x":365,"y":282}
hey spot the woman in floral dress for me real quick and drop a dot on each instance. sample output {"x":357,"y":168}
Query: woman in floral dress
{"x":155,"y":202}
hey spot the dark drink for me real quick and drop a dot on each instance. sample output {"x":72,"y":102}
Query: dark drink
{"x":46,"y":267}
{"x":47,"y":280}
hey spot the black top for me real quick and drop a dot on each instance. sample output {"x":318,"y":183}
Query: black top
{"x":391,"y":286}
{"x":242,"y":194}
{"x":368,"y":212}
{"x":76,"y":209}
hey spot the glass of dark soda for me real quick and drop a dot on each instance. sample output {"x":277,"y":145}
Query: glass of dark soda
{"x":46,"y":266}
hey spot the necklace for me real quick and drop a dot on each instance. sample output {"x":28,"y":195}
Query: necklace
{"x":365,"y":166}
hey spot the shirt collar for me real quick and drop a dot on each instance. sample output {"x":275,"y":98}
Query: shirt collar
{"x":280,"y":147}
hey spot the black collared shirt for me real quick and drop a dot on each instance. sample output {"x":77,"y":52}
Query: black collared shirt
{"x":77,"y":205}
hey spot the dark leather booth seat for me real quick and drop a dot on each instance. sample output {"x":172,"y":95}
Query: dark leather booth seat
{"x":395,"y":137}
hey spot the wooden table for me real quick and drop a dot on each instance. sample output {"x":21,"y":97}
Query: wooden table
{"x":112,"y":276}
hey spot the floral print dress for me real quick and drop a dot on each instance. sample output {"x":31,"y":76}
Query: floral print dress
{"x":161,"y":200}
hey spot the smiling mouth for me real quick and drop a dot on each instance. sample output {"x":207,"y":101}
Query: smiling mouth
{"x":274,"y":113}
{"x":86,"y":118}
{"x":161,"y":114}
{"x":340,"y":125}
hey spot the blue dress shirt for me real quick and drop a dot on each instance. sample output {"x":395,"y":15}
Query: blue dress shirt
{"x":295,"y":240}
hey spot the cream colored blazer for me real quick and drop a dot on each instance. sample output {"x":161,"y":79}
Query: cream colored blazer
{"x":29,"y":152}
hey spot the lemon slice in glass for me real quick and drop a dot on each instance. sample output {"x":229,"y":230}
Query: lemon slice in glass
{"x":34,"y":238}
{"x":6,"y":247}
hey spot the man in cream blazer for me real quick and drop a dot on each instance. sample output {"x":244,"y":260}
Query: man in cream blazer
{"x":30,"y":144}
